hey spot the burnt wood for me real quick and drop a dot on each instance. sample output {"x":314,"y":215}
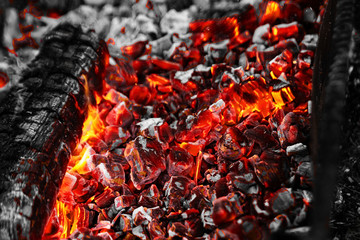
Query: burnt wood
{"x":329,"y":98}
{"x":40,"y":123}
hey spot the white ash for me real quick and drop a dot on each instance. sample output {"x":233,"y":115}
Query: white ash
{"x":175,"y":22}
{"x":139,"y":232}
{"x":218,"y":106}
{"x":296,"y":149}
{"x":150,"y":125}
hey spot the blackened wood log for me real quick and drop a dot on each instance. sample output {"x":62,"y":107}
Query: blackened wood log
{"x":329,"y":137}
{"x":40,"y":124}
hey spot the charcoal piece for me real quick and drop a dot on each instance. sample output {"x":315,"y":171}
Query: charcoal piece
{"x":261,"y":135}
{"x":45,"y":115}
{"x":227,"y":208}
{"x":290,"y":129}
{"x":146,"y":159}
{"x":232,"y":145}
{"x":180,"y":162}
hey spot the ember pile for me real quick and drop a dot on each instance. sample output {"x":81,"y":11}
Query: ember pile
{"x":199,"y":134}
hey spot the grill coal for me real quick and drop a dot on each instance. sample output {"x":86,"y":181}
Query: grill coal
{"x":183,"y":129}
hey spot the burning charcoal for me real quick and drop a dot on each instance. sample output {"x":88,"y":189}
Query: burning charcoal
{"x":250,"y":121}
{"x":68,"y":183}
{"x":209,"y":158}
{"x":309,"y":42}
{"x":124,"y":201}
{"x":278,"y":66}
{"x":305,"y":172}
{"x":155,"y":212}
{"x":279,"y":223}
{"x":84,"y":189}
{"x":270,"y":11}
{"x":146,"y":159}
{"x":227,"y":208}
{"x":105,"y":236}
{"x":139,"y":232}
{"x":164,"y":134}
{"x":164,"y":65}
{"x":114,"y":136}
{"x":105,"y":199}
{"x":217,"y":51}
{"x":206,"y":218}
{"x":246,"y":227}
{"x":147,"y":127}
{"x":297,"y":149}
{"x":232,"y":145}
{"x":176,"y":190}
{"x":140,"y":94}
{"x":150,"y":197}
{"x":178,"y":186}
{"x":289,"y":132}
{"x":83,"y":215}
{"x":261,"y":135}
{"x":120,"y":115}
{"x":276,"y":119}
{"x":262,"y":34}
{"x":281,"y":201}
{"x":116,"y":97}
{"x":140,"y":216}
{"x":109,"y":174}
{"x":242,"y":178}
{"x":155,"y":229}
{"x":179,"y":162}
{"x":195,"y":227}
{"x":212,"y":175}
{"x":83,"y":233}
{"x":270,"y":172}
{"x":284,"y":31}
{"x":179,"y":216}
{"x":177,"y":229}
{"x":125,"y":222}
{"x":304,"y":59}
{"x":199,"y":198}
{"x":221,"y":187}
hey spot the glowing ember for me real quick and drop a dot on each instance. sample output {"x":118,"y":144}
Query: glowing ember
{"x":199,"y":143}
{"x":4,"y":79}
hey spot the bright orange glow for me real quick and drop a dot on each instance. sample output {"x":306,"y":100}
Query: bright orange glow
{"x":84,"y":165}
{"x":66,"y":217}
{"x":157,"y":80}
{"x":271,"y":13}
{"x":93,"y":125}
{"x":282,"y":96}
{"x":198,"y":166}
{"x":4,"y":79}
{"x":192,"y":147}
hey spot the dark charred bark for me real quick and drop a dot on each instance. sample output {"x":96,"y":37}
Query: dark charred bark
{"x":41,"y":122}
{"x":330,"y":101}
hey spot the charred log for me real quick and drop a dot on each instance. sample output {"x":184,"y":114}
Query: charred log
{"x":326,"y":152}
{"x":41,"y":122}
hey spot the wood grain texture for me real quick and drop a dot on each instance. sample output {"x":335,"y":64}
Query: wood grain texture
{"x":41,"y":122}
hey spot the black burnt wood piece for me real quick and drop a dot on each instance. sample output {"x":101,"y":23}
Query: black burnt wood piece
{"x":41,"y":121}
{"x":329,"y":100}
